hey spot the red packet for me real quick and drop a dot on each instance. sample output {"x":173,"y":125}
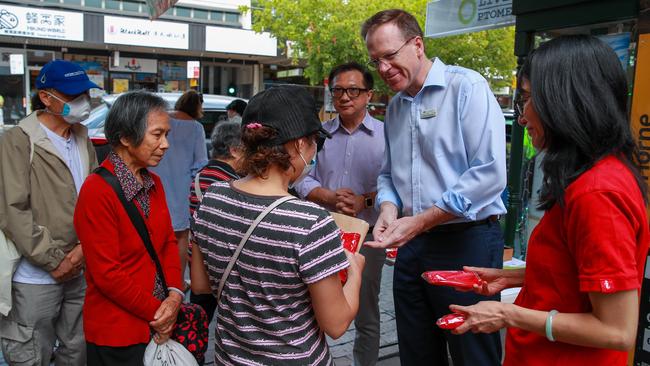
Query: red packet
{"x":451,"y":321}
{"x":391,"y":256}
{"x":351,"y":243}
{"x":461,"y":279}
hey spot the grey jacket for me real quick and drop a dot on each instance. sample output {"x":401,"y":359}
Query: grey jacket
{"x":37,"y":203}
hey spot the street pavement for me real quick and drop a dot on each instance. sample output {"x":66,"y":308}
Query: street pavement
{"x":341,"y":348}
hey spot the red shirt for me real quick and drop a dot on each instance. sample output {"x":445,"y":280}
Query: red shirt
{"x":597,"y":243}
{"x":120,"y":274}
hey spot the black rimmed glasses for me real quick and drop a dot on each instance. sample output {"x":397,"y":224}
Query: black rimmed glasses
{"x":374,"y":63}
{"x":351,"y":92}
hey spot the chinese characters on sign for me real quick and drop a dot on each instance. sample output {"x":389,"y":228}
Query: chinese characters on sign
{"x":140,"y":32}
{"x":41,"y":23}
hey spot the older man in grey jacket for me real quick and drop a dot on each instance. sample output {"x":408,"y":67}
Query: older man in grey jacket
{"x":43,"y":163}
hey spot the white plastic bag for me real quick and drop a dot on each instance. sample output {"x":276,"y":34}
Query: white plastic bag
{"x":170,"y":353}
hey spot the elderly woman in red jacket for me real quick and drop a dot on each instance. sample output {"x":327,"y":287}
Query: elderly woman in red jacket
{"x":125,"y":301}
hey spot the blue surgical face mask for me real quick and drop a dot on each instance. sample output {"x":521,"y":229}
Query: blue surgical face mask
{"x":305,"y":170}
{"x":74,"y":111}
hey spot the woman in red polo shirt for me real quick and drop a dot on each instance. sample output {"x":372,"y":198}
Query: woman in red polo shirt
{"x":580,"y":296}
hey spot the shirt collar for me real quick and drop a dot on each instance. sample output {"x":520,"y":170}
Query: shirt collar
{"x":366,"y":124}
{"x":435,"y":77}
{"x":130,"y":186}
{"x":225,"y":167}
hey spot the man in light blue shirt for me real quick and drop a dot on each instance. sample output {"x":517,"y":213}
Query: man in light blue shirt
{"x":439,"y":187}
{"x":345,"y":180}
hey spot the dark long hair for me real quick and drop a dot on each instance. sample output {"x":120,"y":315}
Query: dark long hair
{"x":579,"y":91}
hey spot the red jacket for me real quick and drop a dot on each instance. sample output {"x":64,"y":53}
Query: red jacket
{"x":120,"y":274}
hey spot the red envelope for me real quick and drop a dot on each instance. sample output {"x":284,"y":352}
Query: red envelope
{"x":351,"y":243}
{"x":460,"y":279}
{"x":451,"y":321}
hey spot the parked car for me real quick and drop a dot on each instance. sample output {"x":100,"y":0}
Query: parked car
{"x":214,"y":110}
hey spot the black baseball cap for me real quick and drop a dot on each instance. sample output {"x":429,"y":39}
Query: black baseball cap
{"x":290,"y":110}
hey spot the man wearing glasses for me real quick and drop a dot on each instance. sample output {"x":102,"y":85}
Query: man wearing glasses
{"x":345,"y":180}
{"x":439,"y":187}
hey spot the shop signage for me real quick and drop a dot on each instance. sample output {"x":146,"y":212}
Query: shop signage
{"x":240,"y":41}
{"x":19,"y":21}
{"x":449,"y":17}
{"x":132,"y":64}
{"x":193,"y":69}
{"x":142,"y":32}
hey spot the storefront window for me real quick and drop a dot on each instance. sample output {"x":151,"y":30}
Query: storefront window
{"x":172,"y":76}
{"x":183,"y":12}
{"x":200,"y":14}
{"x":13,"y":99}
{"x":112,"y":4}
{"x":93,"y":3}
{"x":131,"y":6}
{"x":216,"y":15}
{"x":232,"y":18}
{"x":72,"y":2}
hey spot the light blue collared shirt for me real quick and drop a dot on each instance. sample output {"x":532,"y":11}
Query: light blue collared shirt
{"x":349,"y":160}
{"x":445,"y":147}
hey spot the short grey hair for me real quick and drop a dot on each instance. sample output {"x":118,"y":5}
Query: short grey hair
{"x":127,"y":117}
{"x":225,"y":136}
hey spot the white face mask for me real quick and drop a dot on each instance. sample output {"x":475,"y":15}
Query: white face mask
{"x":74,"y":111}
{"x":305,"y":170}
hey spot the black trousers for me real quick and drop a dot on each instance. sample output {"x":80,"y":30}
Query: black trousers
{"x":418,"y":305}
{"x":115,"y":356}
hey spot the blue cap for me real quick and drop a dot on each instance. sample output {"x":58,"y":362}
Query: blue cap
{"x":64,"y":76}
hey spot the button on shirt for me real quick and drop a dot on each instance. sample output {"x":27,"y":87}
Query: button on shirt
{"x":349,"y":160}
{"x":445,"y":147}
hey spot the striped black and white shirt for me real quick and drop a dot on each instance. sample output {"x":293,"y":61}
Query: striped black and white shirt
{"x":265,"y":315}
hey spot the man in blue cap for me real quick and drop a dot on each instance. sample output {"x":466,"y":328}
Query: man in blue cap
{"x":43,"y":163}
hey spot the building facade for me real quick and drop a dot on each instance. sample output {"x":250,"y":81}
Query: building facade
{"x":207,"y":45}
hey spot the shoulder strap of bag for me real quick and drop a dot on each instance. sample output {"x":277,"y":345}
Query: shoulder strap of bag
{"x":197,"y":187}
{"x":136,"y":220}
{"x":243,"y":241}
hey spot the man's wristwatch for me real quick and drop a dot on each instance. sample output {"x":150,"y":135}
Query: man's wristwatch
{"x":368,"y":201}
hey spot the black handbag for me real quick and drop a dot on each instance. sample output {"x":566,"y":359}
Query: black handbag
{"x":191,"y":329}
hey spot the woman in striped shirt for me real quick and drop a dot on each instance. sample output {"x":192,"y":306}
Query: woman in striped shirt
{"x":283,"y":294}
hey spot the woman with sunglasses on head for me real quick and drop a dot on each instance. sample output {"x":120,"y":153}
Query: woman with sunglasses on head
{"x":580,"y":297}
{"x":283,"y":293}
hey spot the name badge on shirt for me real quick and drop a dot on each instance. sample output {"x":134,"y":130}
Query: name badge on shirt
{"x":430,"y":113}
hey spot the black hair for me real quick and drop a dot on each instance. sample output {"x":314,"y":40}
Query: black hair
{"x":238,"y":106}
{"x":127,"y":117}
{"x":36,"y":102}
{"x":352,"y":66}
{"x":225,"y":136}
{"x":579,"y":90}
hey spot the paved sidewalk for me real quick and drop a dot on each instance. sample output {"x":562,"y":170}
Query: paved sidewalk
{"x":342,"y":348}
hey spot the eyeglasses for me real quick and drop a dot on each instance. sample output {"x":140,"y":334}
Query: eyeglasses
{"x":351,"y":92}
{"x":374,"y":63}
{"x":520,"y":103}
